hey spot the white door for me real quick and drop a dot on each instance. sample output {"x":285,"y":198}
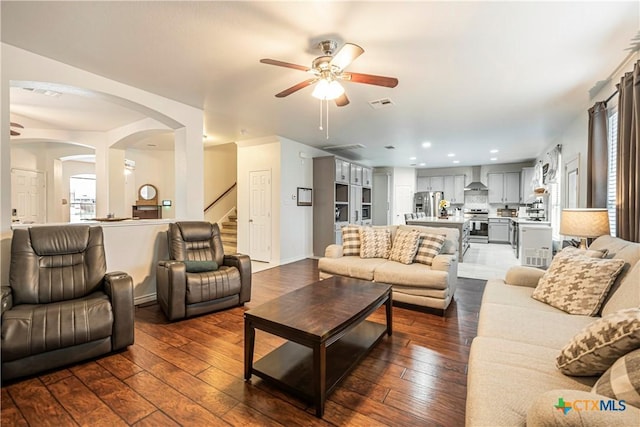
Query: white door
{"x":28,"y":196}
{"x":355,"y":205}
{"x":260,"y":215}
{"x":381,"y":205}
{"x":403,"y":202}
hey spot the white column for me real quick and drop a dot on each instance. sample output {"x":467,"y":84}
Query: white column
{"x":189,"y":169}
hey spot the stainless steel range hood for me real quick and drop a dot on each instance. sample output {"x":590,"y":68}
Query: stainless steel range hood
{"x":475,"y":184}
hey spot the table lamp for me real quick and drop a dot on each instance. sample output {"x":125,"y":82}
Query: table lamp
{"x":584,"y":223}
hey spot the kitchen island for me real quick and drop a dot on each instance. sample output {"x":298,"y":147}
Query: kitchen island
{"x":462,"y":224}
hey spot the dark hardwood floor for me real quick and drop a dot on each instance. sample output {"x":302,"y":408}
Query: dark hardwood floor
{"x":191,"y":372}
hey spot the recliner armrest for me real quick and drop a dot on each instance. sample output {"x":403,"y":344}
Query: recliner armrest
{"x":171,"y":288}
{"x":119,"y":286}
{"x":243,"y":264}
{"x":7,"y":298}
{"x":333,"y":251}
{"x":523,"y":276}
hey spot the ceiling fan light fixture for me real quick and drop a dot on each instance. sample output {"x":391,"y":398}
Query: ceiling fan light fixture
{"x":327,"y":90}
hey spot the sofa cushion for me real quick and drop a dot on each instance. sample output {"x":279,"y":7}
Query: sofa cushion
{"x":591,"y":253}
{"x":550,"y":329}
{"x":622,"y":380}
{"x":594,"y":349}
{"x":356,"y":267}
{"x":417,"y":275}
{"x":375,"y":242}
{"x":577,"y":284}
{"x":496,"y":291}
{"x":405,"y":246}
{"x":428,"y":247}
{"x":351,"y":240}
{"x":624,"y":293}
{"x":505,"y":377}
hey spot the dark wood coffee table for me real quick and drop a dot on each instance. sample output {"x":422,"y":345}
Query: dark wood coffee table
{"x":327,"y":332}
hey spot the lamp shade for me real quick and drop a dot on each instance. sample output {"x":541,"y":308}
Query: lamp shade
{"x":328,"y":90}
{"x":584,"y":222}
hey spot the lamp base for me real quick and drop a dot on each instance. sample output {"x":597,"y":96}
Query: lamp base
{"x":583,"y":244}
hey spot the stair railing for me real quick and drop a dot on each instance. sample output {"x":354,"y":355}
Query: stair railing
{"x":227,"y":191}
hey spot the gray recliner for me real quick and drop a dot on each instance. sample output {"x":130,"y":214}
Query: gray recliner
{"x":183,"y":293}
{"x":61,"y":306}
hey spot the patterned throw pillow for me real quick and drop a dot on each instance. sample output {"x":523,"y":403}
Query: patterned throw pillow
{"x":375,"y":242}
{"x":351,"y":240}
{"x":429,"y":246}
{"x":594,"y":349}
{"x":622,"y":380}
{"x":591,"y":253}
{"x":577,"y":284}
{"x":405,"y":246}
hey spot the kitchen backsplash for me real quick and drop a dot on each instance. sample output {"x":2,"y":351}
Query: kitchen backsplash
{"x":476,"y":201}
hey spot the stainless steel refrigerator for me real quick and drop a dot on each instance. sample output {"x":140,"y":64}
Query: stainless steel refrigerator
{"x":427,"y":202}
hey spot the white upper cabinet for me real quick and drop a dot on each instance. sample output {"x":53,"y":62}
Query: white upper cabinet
{"x":430,"y":183}
{"x":504,"y":187}
{"x":342,"y":171}
{"x":356,"y":174}
{"x":367,"y":177}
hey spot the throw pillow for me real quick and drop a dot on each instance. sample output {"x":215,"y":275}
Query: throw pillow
{"x":429,"y":246}
{"x":351,"y":240}
{"x":577,"y":284}
{"x":622,"y":380}
{"x":594,"y":349}
{"x":591,"y":253}
{"x":375,"y":242}
{"x":405,"y":246}
{"x":200,"y":266}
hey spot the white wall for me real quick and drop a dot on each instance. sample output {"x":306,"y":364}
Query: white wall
{"x":220,"y":172}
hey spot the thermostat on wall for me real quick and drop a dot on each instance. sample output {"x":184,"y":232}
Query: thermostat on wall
{"x":166,"y":203}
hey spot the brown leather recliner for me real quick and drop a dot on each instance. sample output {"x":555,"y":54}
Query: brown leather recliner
{"x":61,"y":306}
{"x":182,"y":293}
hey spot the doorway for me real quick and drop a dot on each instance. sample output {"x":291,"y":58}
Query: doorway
{"x":260,"y":215}
{"x":28,"y":196}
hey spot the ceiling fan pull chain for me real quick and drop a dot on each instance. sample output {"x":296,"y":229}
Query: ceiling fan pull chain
{"x":327,"y":115}
{"x":320,"y":127}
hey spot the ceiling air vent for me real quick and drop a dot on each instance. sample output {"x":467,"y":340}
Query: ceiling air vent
{"x":342,"y":147}
{"x":381,"y":103}
{"x":389,"y":147}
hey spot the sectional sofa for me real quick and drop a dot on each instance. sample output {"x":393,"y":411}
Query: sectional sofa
{"x":414,"y":284}
{"x":512,"y":376}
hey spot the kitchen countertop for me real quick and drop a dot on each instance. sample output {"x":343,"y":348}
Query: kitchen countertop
{"x":520,"y":220}
{"x":450,"y":220}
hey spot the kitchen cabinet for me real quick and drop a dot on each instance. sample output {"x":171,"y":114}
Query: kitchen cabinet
{"x":356,"y":174}
{"x":499,"y":230}
{"x":342,"y":171}
{"x":453,"y":188}
{"x":355,"y":204}
{"x":367,"y":177}
{"x":430,"y":183}
{"x":504,"y":188}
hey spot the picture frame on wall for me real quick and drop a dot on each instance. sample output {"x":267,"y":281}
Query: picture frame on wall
{"x":305,"y":197}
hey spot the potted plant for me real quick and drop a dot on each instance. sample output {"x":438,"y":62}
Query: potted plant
{"x":444,"y":204}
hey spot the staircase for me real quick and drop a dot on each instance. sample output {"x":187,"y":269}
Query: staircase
{"x":229,"y":233}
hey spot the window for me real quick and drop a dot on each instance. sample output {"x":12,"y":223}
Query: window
{"x":612,"y":178}
{"x":82,"y":192}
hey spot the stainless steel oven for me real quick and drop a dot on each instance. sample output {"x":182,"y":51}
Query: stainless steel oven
{"x":479,"y":225}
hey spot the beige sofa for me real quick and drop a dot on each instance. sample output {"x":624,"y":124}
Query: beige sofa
{"x":415,"y":284}
{"x":512,"y":373}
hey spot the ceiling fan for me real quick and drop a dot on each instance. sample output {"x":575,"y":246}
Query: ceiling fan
{"x":15,"y":125}
{"x":328,"y":69}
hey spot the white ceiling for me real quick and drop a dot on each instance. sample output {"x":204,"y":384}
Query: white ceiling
{"x":473,"y":76}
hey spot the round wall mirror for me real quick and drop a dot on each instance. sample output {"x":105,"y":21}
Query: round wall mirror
{"x":148,"y":192}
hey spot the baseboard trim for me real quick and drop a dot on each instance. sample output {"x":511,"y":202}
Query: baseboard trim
{"x":143,"y":299}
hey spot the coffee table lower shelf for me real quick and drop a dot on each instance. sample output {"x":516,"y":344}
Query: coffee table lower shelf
{"x":290,"y":366}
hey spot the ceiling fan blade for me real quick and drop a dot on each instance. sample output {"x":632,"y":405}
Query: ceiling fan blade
{"x":284,"y":64}
{"x":346,"y":55}
{"x":371,"y":79}
{"x":16,"y":125}
{"x":14,"y":133}
{"x":342,"y":100}
{"x":296,"y":88}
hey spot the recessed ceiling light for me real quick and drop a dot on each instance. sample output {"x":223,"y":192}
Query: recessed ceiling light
{"x":426,"y":144}
{"x":412,"y":158}
{"x":493,"y":159}
{"x":494,"y":151}
{"x":456,"y":161}
{"x":389,"y":147}
{"x":451,"y":155}
{"x":422,"y":164}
